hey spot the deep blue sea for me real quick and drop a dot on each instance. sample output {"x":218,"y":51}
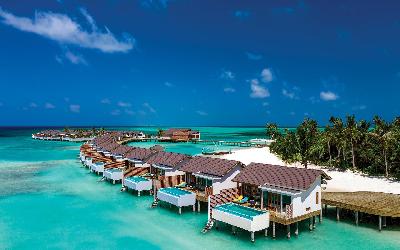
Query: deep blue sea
{"x":48,"y":200}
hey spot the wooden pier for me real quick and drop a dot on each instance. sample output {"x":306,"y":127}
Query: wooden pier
{"x":382,"y":205}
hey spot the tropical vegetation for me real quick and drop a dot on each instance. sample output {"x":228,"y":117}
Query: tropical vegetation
{"x":369,"y":147}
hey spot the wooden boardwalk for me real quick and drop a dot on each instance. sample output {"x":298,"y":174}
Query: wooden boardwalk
{"x":374,"y":203}
{"x":381,"y":204}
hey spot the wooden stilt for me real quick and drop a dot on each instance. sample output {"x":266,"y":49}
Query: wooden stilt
{"x":297,"y":229}
{"x":380,"y":223}
{"x":384,"y":221}
{"x":273,"y":229}
{"x":252,"y":236}
{"x":138,"y":193}
{"x":356,"y":215}
{"x":194,"y":208}
{"x":313,"y":224}
{"x":216,"y":225}
{"x":288,"y":231}
{"x":337,"y":214}
{"x":320,"y":216}
{"x":266,"y":232}
{"x":113,"y":182}
{"x":233,"y":230}
{"x":198,"y":206}
{"x":180,"y":210}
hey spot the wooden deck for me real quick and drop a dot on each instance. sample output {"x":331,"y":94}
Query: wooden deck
{"x":381,"y":204}
{"x":281,"y":219}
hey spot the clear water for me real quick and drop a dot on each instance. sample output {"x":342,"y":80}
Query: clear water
{"x":48,"y":200}
{"x":207,"y":133}
{"x":174,"y":191}
{"x":245,"y":212}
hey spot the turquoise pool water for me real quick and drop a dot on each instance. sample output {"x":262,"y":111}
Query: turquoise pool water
{"x":137,"y":179}
{"x":174,"y":191}
{"x":113,"y":170}
{"x":235,"y":209}
{"x":48,"y":200}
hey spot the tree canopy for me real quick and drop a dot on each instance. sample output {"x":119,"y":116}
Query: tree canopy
{"x":370,"y":147}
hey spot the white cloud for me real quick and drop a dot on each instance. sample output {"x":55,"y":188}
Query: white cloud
{"x":75,"y":58}
{"x":124,"y":104}
{"x":227,"y":75}
{"x":254,"y":57}
{"x":360,"y":107}
{"x":105,"y":101}
{"x":291,"y":94}
{"x":258,"y":91}
{"x":168,"y":84}
{"x":328,"y":96}
{"x":33,"y":105}
{"x":265,"y":104}
{"x":202,"y":113}
{"x":229,"y":90}
{"x":149,"y":107}
{"x":266,"y":75}
{"x":75,"y":108}
{"x":48,"y":105}
{"x":63,"y":29}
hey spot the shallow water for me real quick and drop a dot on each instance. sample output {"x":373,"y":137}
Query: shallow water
{"x":47,"y":200}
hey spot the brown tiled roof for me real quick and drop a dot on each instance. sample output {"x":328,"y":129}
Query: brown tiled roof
{"x":278,"y":176}
{"x":167,"y":159}
{"x":139,"y":153}
{"x":157,"y":148}
{"x":209,"y":166}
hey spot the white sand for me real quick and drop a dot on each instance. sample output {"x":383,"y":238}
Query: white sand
{"x":341,"y":181}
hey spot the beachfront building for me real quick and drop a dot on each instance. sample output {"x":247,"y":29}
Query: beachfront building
{"x":179,"y":135}
{"x":289,"y":194}
{"x":165,"y":169}
{"x":208,"y":176}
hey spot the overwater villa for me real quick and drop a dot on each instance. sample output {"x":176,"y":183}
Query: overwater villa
{"x":179,"y":135}
{"x":208,"y":176}
{"x":289,"y":195}
{"x":164,"y":167}
{"x":136,"y":174}
{"x":119,"y":153}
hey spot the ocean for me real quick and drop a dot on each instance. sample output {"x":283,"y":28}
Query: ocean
{"x":48,"y":200}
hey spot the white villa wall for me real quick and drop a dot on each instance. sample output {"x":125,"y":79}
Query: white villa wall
{"x":226,"y":182}
{"x":173,"y":172}
{"x":307,"y":199}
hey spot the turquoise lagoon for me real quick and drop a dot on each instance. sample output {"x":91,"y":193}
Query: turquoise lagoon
{"x":47,"y":200}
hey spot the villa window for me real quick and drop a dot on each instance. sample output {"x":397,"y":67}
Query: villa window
{"x":317,"y":197}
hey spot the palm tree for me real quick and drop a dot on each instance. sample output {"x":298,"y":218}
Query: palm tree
{"x":306,"y":134}
{"x":382,"y":131}
{"x":351,"y":131}
{"x":337,"y":135}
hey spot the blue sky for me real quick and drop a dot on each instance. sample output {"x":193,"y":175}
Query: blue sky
{"x":186,"y":62}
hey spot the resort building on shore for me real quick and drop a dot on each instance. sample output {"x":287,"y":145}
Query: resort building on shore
{"x":179,"y":135}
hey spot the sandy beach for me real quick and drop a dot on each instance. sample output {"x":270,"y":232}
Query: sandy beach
{"x":341,"y":181}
